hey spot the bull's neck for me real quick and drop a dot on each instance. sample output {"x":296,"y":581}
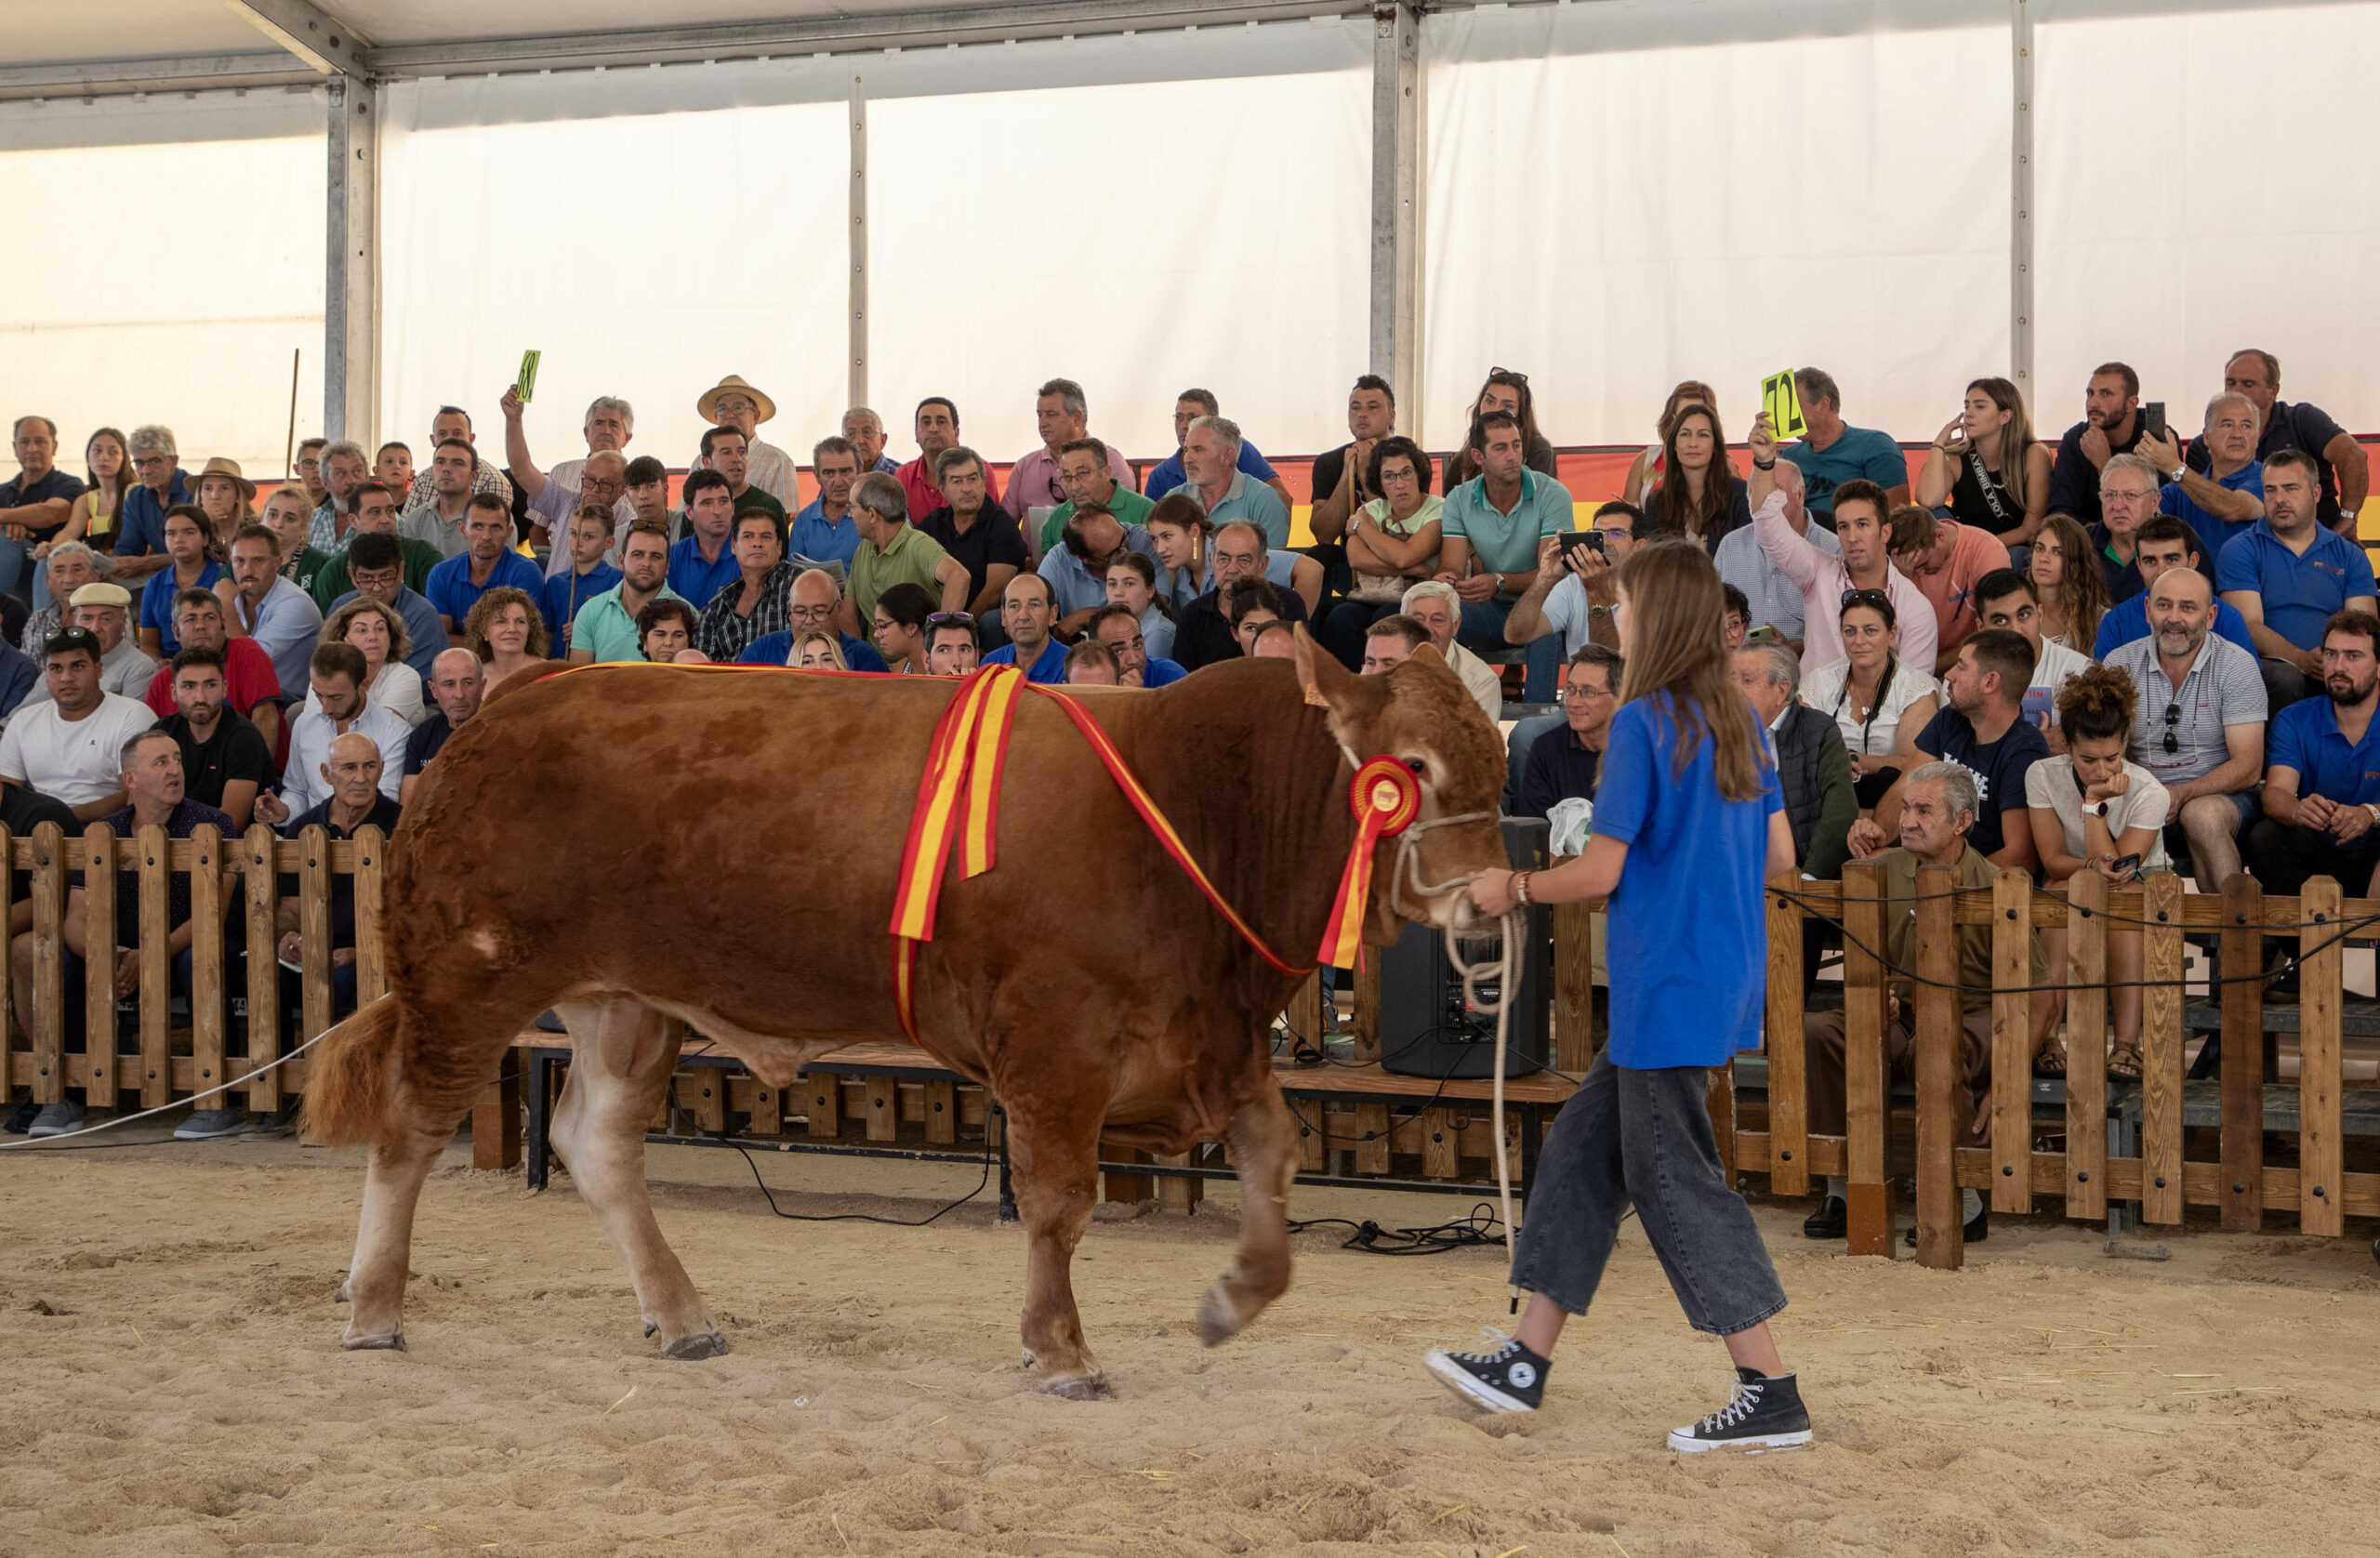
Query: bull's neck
{"x":1257,"y":788}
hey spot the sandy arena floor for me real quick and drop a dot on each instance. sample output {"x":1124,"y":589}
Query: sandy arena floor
{"x":175,"y":1386}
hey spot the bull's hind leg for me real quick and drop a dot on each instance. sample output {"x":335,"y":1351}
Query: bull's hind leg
{"x":376,"y":1279}
{"x":1264,"y":1144}
{"x":623,"y":1053}
{"x":1055,"y":1161}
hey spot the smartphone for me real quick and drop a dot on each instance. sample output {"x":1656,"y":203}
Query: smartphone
{"x":1576,"y":540}
{"x":2125,"y":865}
{"x":2039,"y":701}
{"x":2153,"y":417}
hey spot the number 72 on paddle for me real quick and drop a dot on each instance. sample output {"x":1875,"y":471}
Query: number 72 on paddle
{"x":1778,"y":401}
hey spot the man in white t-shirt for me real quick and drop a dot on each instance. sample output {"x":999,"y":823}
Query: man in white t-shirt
{"x":2005,"y":597}
{"x":71,"y":747}
{"x":336,"y":677}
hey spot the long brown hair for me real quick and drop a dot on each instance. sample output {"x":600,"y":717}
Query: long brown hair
{"x":2082,"y":593}
{"x":2015,"y":439}
{"x":125,"y":480}
{"x":1669,"y":502}
{"x":1676,"y":646}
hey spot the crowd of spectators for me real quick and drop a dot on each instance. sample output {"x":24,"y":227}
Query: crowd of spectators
{"x":2118,"y":651}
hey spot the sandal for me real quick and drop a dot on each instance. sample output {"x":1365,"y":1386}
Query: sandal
{"x":2050,"y":1060}
{"x":2123,"y":1062}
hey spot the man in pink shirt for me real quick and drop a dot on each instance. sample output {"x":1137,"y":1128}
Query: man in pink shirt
{"x":1944,"y":559}
{"x":1824,"y":578}
{"x":1063,"y":416}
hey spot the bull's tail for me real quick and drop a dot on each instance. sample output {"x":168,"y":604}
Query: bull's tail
{"x":349,"y":1084}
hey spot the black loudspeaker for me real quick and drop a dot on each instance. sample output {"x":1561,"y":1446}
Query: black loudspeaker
{"x":1426,"y":1029}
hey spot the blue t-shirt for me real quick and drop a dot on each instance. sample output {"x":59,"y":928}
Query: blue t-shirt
{"x":2128,"y":620}
{"x":2305,"y":737}
{"x":1050,"y":669}
{"x":1160,"y":673}
{"x":157,"y":601}
{"x":697,"y":580}
{"x":143,"y":531}
{"x":450,"y":588}
{"x":1688,"y":932}
{"x":824,"y":540}
{"x":1169,"y":473}
{"x":564,"y":593}
{"x":2214,"y":535}
{"x":2301,"y":594}
{"x":1860,"y":452}
{"x":770,"y":649}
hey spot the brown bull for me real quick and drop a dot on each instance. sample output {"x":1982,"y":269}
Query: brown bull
{"x":628,"y":845}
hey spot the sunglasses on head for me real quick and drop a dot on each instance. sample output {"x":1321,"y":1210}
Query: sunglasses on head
{"x":938,"y":618}
{"x":1865,"y":598}
{"x":2173,"y":723}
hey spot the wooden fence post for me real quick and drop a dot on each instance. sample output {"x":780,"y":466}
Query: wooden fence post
{"x":157,"y":856}
{"x":1304,"y":1015}
{"x":371,"y":900}
{"x":1943,"y":1098}
{"x":2243,"y":1184}
{"x":1789,"y":1143}
{"x":315,"y":931}
{"x":257,"y":863}
{"x":2012,"y":1042}
{"x":1574,"y":988}
{"x":2320,"y":973}
{"x":49,"y":963}
{"x":1866,"y":1127}
{"x":1368,"y":1149}
{"x":208,"y":999}
{"x":2086,"y":1026}
{"x":97,"y":854}
{"x":2163,"y":964}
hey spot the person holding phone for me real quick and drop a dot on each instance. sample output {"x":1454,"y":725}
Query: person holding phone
{"x":2094,"y":809}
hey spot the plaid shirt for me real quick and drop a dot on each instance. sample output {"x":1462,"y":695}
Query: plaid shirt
{"x":723,"y":633}
{"x":486,"y":479}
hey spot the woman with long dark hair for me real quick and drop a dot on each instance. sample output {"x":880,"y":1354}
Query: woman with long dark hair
{"x":1988,"y":466}
{"x":2063,"y":568}
{"x":1688,"y":825}
{"x":1645,"y":471}
{"x":1699,"y":494}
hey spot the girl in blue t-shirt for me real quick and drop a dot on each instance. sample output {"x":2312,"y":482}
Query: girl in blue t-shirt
{"x":1688,"y":825}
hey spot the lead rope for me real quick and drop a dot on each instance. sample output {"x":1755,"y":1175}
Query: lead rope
{"x":1504,"y":968}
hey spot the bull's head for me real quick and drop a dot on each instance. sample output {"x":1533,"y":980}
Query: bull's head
{"x":1420,"y":715}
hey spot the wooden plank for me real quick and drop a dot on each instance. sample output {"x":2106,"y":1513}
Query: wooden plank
{"x":824,"y":1090}
{"x":703,"y":1094}
{"x":2161,"y":1049}
{"x":157,"y":969}
{"x":2012,"y":1040}
{"x":1304,"y":1013}
{"x":264,"y":971}
{"x":48,"y":867}
{"x":207,"y":996}
{"x":95,"y":853}
{"x":1574,"y":987}
{"x":2086,"y":1026}
{"x":2321,"y":974}
{"x":1439,"y":1160}
{"x":767,"y":1109}
{"x":314,"y":930}
{"x":1129,"y":1188}
{"x":883,"y":1115}
{"x":371,"y":909}
{"x":1788,"y":1158}
{"x":496,"y":1118}
{"x":1179,"y":1196}
{"x":941,"y":1113}
{"x":1371,"y":1139}
{"x":2243,"y":1055}
{"x":1313,"y":1136}
{"x":1942,"y":1098}
{"x":1367,"y":1015}
{"x":1866,"y":1126}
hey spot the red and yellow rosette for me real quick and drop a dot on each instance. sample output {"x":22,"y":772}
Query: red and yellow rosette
{"x":1385,"y":798}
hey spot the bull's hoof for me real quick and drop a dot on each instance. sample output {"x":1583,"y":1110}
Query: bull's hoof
{"x":393,"y":1342}
{"x":339,"y":1297}
{"x":702,"y":1344}
{"x":1218,"y":1319}
{"x":1091,"y":1387}
{"x":651,"y":1326}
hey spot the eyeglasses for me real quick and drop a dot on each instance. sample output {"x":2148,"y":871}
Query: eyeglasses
{"x":1581,"y":690}
{"x":1876,"y":597}
{"x":2172,"y":725}
{"x":807,"y":613}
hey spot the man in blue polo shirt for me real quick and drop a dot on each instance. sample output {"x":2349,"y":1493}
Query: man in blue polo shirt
{"x":486,"y":561}
{"x":823,"y":531}
{"x":1496,"y":519}
{"x":2221,"y":503}
{"x":1187,"y":408}
{"x":2321,"y":793}
{"x":1119,"y":629}
{"x":159,"y":483}
{"x":2289,"y":576}
{"x":704,"y":563}
{"x":1027,"y":609}
{"x":2164,"y":542}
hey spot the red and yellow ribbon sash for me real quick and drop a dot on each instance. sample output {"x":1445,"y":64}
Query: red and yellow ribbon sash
{"x":1385,"y":798}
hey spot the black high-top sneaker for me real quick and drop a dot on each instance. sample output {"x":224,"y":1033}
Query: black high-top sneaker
{"x":1511,"y":1379}
{"x":1766,"y":1414}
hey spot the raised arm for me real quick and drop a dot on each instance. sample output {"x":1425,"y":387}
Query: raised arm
{"x":516,"y":448}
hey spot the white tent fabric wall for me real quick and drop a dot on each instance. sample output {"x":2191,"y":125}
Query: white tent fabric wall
{"x":645,"y":247}
{"x":1186,"y":209}
{"x":177,"y":262}
{"x":1624,"y":194}
{"x":2172,"y":234}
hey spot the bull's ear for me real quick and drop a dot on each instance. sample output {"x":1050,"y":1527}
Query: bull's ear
{"x":1427,"y":654}
{"x":1326,"y":681}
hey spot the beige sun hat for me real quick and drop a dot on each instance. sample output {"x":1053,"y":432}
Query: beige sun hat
{"x":219,"y":466}
{"x":707,"y":407}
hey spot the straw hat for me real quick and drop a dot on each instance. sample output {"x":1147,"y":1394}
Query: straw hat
{"x":101,"y":593}
{"x":219,"y":466}
{"x":707,"y":407}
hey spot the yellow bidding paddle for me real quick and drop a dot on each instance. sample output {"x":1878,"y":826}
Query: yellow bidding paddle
{"x":1778,"y":401}
{"x":527,"y":381}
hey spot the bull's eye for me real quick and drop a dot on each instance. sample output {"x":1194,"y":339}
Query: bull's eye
{"x":1421,"y":769}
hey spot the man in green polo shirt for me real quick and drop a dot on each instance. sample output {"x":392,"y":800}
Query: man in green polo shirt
{"x":1495,"y":520}
{"x":376,"y":511}
{"x":891,"y":552}
{"x":606,"y":626}
{"x":1082,"y":471}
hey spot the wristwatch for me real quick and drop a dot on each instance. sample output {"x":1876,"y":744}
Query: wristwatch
{"x":2177,"y":473}
{"x":2098,"y":809}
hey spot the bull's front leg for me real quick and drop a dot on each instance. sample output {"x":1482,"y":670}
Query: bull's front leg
{"x":1264,"y":1146}
{"x":1055,"y":1161}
